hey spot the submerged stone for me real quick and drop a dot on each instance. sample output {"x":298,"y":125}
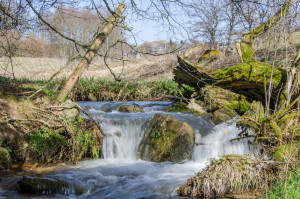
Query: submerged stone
{"x":50,"y":186}
{"x":167,"y":139}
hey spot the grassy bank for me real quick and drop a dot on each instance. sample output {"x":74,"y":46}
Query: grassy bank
{"x":288,"y":188}
{"x":103,"y":89}
{"x":36,"y":131}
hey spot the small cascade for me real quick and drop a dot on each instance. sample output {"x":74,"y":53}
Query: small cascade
{"x":121,"y":174}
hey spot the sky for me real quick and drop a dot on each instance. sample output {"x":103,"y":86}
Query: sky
{"x":154,"y":29}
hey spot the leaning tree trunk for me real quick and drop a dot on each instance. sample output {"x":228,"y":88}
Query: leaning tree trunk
{"x":248,"y":38}
{"x":111,"y":22}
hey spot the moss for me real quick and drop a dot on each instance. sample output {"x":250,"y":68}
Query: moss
{"x":251,"y":71}
{"x":276,"y":129}
{"x":5,"y":160}
{"x":129,"y":108}
{"x":178,"y":107}
{"x":45,"y":143}
{"x":216,"y":98}
{"x":286,"y":151}
{"x":246,"y":47}
{"x":167,"y":139}
{"x":210,"y":53}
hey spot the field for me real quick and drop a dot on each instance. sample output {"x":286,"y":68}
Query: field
{"x":143,"y":68}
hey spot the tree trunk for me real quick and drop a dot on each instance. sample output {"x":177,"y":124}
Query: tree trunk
{"x":248,"y":38}
{"x":111,"y":22}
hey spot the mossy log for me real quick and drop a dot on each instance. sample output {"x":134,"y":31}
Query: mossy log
{"x":245,"y":78}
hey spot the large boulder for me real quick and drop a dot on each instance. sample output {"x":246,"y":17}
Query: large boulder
{"x":134,"y":108}
{"x":167,"y":139}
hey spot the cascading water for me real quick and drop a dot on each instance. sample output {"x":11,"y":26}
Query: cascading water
{"x":121,"y":174}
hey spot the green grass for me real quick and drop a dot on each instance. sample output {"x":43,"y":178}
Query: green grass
{"x":289,"y":189}
{"x":104,"y":89}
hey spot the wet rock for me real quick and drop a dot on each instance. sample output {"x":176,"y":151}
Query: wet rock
{"x":134,"y":108}
{"x":222,"y":115}
{"x":50,"y":186}
{"x":70,"y":112}
{"x":178,"y":107}
{"x":87,"y":108}
{"x":197,"y":109}
{"x":106,"y":107}
{"x":167,"y":139}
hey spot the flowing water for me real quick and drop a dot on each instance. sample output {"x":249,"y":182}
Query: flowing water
{"x":120,"y":173}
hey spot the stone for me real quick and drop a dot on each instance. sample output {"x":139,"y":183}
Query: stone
{"x":50,"y":186}
{"x":222,"y":115}
{"x":70,"y":112}
{"x":197,"y":109}
{"x":126,"y":108}
{"x":167,"y":139}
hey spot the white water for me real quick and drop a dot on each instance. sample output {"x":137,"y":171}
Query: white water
{"x":121,"y":174}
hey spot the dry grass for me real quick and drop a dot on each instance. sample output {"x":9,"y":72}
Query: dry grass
{"x":230,"y":174}
{"x":146,"y":68}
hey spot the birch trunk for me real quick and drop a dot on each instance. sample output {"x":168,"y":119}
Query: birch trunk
{"x":111,"y":22}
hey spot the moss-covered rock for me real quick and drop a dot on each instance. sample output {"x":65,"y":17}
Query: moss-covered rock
{"x":215,"y":98}
{"x":178,"y":107}
{"x":126,"y":108}
{"x":222,"y":115}
{"x":167,"y":139}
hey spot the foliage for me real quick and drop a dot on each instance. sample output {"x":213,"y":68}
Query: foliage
{"x":46,"y":143}
{"x":103,"y":89}
{"x":286,"y":189}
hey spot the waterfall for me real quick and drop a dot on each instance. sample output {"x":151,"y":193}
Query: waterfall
{"x":124,"y":132}
{"x":120,"y":173}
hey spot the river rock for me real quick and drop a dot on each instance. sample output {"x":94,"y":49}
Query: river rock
{"x":222,"y":115}
{"x":134,"y":108}
{"x":197,"y":109}
{"x":49,"y":186}
{"x":167,"y":139}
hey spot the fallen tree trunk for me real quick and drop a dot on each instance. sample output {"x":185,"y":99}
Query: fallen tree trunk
{"x":111,"y":22}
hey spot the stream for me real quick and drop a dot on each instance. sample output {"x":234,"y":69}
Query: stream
{"x":120,"y":173}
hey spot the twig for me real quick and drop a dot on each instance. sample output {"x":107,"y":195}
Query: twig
{"x":35,"y":120}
